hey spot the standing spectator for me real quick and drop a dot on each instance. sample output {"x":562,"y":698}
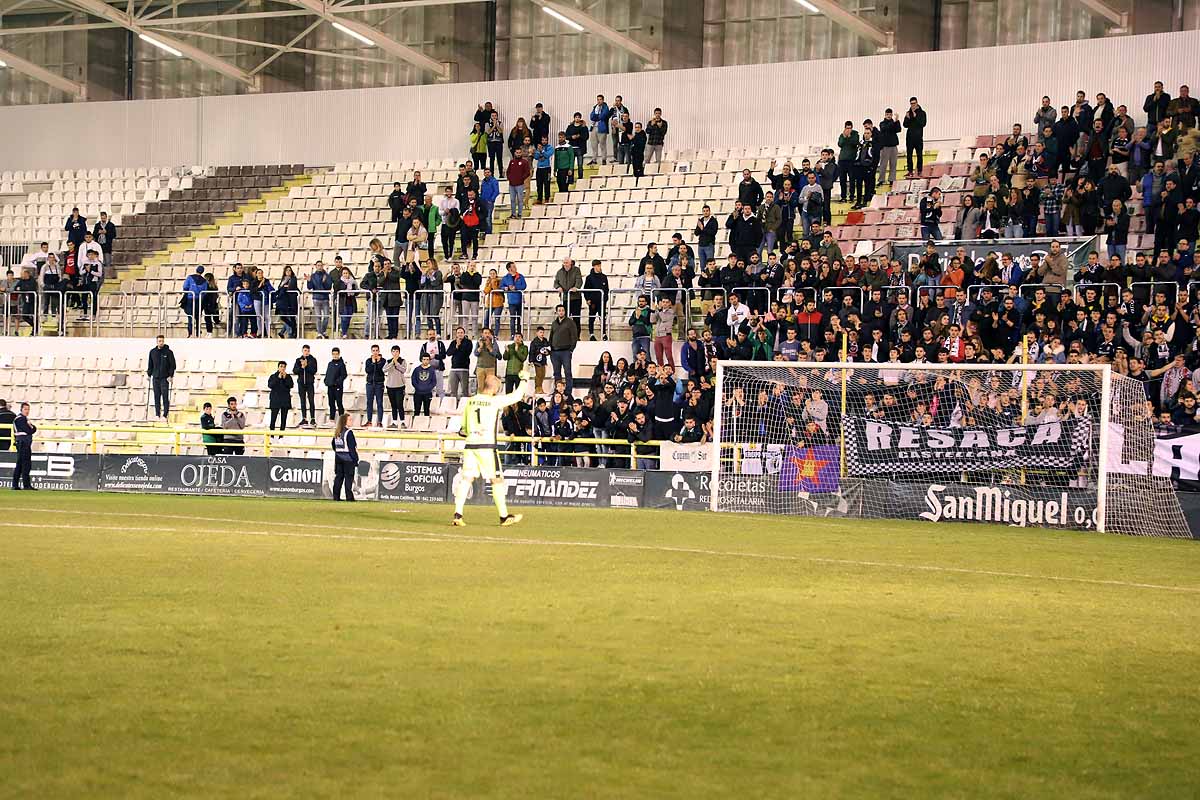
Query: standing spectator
{"x":663,"y":319}
{"x":539,"y":124}
{"x":1183,"y":108}
{"x":469,"y":286}
{"x":432,"y":217}
{"x":513,"y":284}
{"x":568,"y":281}
{"x":370,"y":285}
{"x":750,"y":192}
{"x":493,"y":129}
{"x":848,"y":143}
{"x":233,"y":420}
{"x":399,"y":285}
{"x":305,"y":370}
{"x":515,"y":356}
{"x":76,"y":227}
{"x":544,"y":158}
{"x":487,"y":356}
{"x":518,"y":135}
{"x":373,"y":368}
{"x":472,"y":222}
{"x":616,"y":115}
{"x":812,"y":200}
{"x":415,"y":190}
{"x":193,"y":289}
{"x":105,"y":233}
{"x":489,"y":192}
{"x":397,"y":201}
{"x":320,"y":284}
{"x":1156,"y":105}
{"x":564,"y":162}
{"x":564,"y":336}
{"x":459,"y":354}
{"x":280,"y":386}
{"x":493,"y":302}
{"x":22,"y":432}
{"x":517,"y":174}
{"x":706,"y":234}
{"x":91,"y":275}
{"x":931,"y":215}
{"x":424,"y":381}
{"x":636,"y":140}
{"x":395,"y":373}
{"x":827,"y":175}
{"x":431,"y":297}
{"x":889,"y":148}
{"x":599,"y":119}
{"x":656,"y":137}
{"x":539,"y":356}
{"x":212,"y":441}
{"x":287,"y":303}
{"x":864,"y":169}
{"x":160,"y":368}
{"x":335,"y":382}
{"x":641,"y":325}
{"x":451,"y":216}
{"x":7,"y":417}
{"x":595,"y":293}
{"x":345,"y":459}
{"x":435,"y":348}
{"x":914,"y":137}
{"x":345,"y":292}
{"x":478,"y":146}
{"x":577,"y":135}
{"x":770,"y":216}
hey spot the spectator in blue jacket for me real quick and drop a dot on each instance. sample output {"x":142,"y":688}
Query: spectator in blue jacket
{"x":513,"y":284}
{"x":599,"y":120}
{"x":424,"y":381}
{"x":320,"y":283}
{"x":544,"y":156}
{"x":247,"y":316}
{"x":489,"y":190}
{"x":235,"y":280}
{"x":193,"y":290}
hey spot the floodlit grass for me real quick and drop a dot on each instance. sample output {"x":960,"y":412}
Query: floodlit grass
{"x":173,"y":655}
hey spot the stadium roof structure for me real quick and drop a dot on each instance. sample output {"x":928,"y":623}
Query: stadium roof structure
{"x":167,"y":26}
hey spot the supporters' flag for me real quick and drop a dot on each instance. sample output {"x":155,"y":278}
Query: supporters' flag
{"x":810,"y":469}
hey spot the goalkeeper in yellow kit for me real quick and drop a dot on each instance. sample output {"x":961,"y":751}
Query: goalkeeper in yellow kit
{"x":480,"y":460}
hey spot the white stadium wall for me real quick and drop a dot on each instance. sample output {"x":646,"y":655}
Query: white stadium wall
{"x":965,"y":92}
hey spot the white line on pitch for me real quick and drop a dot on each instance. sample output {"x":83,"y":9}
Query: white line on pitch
{"x":483,"y":539}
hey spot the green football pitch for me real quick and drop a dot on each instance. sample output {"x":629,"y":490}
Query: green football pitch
{"x":177,"y":646}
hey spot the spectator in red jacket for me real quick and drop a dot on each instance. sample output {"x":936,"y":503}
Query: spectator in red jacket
{"x":517,"y":173}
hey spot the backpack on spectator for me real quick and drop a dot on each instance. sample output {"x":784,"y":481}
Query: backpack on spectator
{"x":453,"y":218}
{"x":470,"y":219}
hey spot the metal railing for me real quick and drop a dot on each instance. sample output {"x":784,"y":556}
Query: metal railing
{"x":99,"y":439}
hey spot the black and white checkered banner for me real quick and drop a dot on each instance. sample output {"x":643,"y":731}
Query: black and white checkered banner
{"x":878,"y":447}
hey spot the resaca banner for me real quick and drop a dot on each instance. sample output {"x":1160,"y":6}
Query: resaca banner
{"x":875,"y":447}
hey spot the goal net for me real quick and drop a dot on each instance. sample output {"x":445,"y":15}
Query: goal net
{"x":1059,"y":446}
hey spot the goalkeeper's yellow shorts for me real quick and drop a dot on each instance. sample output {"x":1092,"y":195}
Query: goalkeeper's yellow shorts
{"x":481,"y":463}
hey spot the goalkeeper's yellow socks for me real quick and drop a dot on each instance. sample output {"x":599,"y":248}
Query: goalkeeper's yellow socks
{"x":499,"y":495}
{"x":461,"y":489}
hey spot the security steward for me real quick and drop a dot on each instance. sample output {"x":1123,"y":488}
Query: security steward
{"x":23,"y":431}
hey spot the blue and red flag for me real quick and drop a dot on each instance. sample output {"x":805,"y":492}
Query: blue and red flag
{"x":811,"y":469}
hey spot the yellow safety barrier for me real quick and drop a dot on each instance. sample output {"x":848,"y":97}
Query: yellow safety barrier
{"x":179,"y":438}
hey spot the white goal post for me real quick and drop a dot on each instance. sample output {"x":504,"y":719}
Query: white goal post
{"x":1052,"y":445}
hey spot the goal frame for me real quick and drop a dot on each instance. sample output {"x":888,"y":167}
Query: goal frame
{"x":1104,"y":371}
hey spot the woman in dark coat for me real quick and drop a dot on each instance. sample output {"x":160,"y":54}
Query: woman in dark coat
{"x":280,"y":385}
